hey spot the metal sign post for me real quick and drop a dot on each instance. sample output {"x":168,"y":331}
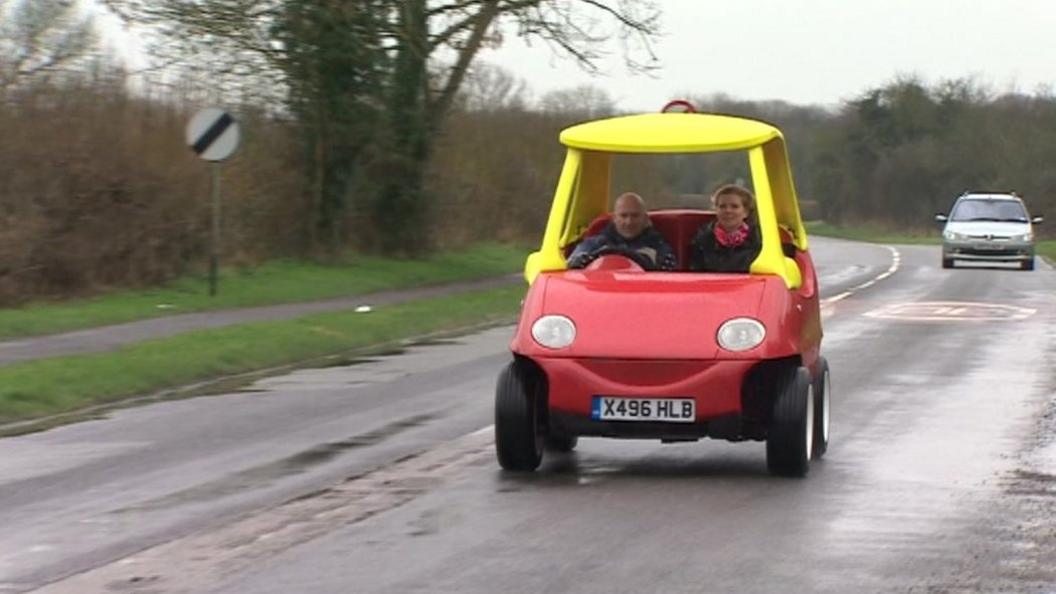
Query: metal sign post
{"x":214,"y":240}
{"x":213,"y":135}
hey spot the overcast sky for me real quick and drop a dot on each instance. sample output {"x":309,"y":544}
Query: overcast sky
{"x":815,"y":51}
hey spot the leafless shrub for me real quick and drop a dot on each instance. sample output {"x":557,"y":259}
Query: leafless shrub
{"x":100,"y":191}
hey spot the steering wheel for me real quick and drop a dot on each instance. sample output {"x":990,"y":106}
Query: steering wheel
{"x":612,"y":250}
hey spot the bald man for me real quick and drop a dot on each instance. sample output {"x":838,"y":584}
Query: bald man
{"x":631,"y":232}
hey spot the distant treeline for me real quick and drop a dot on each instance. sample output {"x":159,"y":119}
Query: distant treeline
{"x":99,"y":191}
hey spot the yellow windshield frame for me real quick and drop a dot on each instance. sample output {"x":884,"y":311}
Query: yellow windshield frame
{"x":582,"y":191}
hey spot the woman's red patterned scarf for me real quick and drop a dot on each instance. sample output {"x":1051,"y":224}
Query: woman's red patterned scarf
{"x":731,"y":238}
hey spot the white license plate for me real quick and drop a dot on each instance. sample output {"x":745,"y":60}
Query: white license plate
{"x":675,"y":410}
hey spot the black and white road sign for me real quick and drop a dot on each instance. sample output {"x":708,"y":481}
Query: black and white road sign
{"x":213,"y":134}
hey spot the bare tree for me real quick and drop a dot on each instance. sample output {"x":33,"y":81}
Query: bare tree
{"x":583,"y":102}
{"x":422,"y":50}
{"x":41,"y":37}
{"x":493,"y":88}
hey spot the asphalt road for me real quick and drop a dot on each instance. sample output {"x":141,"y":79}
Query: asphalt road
{"x":380,"y":477}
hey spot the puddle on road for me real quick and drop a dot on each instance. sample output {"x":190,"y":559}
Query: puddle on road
{"x":434,"y":342}
{"x":200,"y":561}
{"x":351,"y":360}
{"x":260,"y":476}
{"x":1031,"y":484}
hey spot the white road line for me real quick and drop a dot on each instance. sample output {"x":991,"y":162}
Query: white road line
{"x":896,"y":261}
{"x":836,"y":298}
{"x":481,"y":431}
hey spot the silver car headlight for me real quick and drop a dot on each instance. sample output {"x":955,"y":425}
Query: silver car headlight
{"x":1024,"y":237}
{"x":554,"y":332}
{"x":953,"y":235}
{"x":740,"y":334}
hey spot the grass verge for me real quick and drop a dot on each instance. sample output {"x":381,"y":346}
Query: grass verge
{"x":51,"y":386}
{"x":872,"y":234}
{"x":1047,"y":249}
{"x":272,"y":283}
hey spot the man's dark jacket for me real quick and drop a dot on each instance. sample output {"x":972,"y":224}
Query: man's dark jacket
{"x":649,"y":243}
{"x":708,"y":255}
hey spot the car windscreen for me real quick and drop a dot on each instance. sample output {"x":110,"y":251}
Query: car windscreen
{"x":989,"y":210}
{"x":682,"y":180}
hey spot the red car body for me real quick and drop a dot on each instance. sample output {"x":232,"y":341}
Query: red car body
{"x":652,"y":334}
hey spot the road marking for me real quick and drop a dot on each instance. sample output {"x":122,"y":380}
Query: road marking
{"x":836,"y":298}
{"x":952,"y":311}
{"x":828,"y":302}
{"x":482,"y":431}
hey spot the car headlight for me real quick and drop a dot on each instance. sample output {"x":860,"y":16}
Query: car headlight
{"x":1024,"y":237}
{"x":740,"y":334}
{"x":554,"y":332}
{"x":953,"y":235}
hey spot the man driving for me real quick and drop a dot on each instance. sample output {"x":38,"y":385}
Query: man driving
{"x":629,"y":232}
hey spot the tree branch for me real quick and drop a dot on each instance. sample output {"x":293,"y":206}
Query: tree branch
{"x":489,"y":10}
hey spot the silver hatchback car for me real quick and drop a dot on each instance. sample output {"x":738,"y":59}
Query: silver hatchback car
{"x":988,"y":227}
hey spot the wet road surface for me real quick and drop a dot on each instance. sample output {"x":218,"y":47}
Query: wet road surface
{"x":941,"y":476}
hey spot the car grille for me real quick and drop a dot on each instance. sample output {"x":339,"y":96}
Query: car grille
{"x":989,"y":252}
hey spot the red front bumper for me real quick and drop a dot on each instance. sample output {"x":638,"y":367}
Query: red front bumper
{"x":714,"y":385}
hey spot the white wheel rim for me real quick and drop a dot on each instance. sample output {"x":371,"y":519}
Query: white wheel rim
{"x":826,"y":390}
{"x":810,"y":421}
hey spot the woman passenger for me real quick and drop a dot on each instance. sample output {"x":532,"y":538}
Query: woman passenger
{"x":731,"y":242}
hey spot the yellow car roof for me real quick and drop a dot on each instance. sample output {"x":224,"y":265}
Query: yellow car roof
{"x":669,"y":133}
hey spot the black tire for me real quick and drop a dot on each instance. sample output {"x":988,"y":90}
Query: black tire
{"x":822,"y":408}
{"x":1027,"y":264}
{"x":947,"y":262}
{"x":561,"y":444}
{"x":790,"y":436}
{"x":518,"y":438}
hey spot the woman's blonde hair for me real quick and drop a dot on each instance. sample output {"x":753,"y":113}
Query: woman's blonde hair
{"x":747,"y":199}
